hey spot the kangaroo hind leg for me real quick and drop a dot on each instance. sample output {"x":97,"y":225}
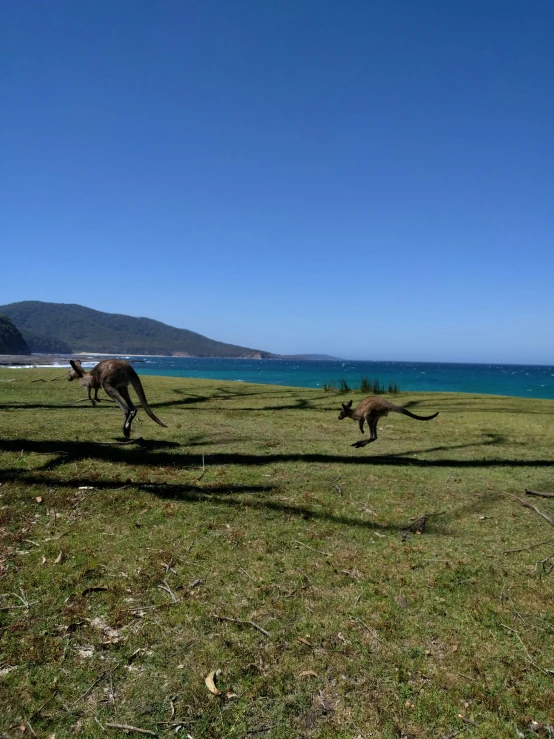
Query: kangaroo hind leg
{"x":126,"y":405}
{"x":92,"y":400}
{"x":373,"y":429}
{"x":372,"y":436}
{"x":131,"y":412}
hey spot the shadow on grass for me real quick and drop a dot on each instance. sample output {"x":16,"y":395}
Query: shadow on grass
{"x":193,"y":402}
{"x":71,"y":451}
{"x":227,"y":495}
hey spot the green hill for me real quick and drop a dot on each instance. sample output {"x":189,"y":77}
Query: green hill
{"x":11,"y":340}
{"x":70,"y":328}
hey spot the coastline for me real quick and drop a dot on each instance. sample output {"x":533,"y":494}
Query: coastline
{"x":54,"y":360}
{"x":531,"y":381}
{"x":46,"y":360}
{"x":43,"y":360}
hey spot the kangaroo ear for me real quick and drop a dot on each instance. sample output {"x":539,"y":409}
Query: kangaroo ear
{"x":77,"y":367}
{"x":349,"y":404}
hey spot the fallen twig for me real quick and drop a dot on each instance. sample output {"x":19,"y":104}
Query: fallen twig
{"x":138,"y":609}
{"x":371,"y":631}
{"x":241,"y":621}
{"x":91,"y":687}
{"x":526,"y":504}
{"x":540,"y":495}
{"x":203,"y":470}
{"x":318,"y":551}
{"x":538,"y":667}
{"x":128,"y":727}
{"x":13,"y":608}
{"x":167,"y":589}
{"x":23,"y":598}
{"x":99,"y":724}
{"x":102,"y":676}
{"x":247,"y":575}
{"x":543,"y":562}
{"x":526,"y":549}
{"x":46,"y":702}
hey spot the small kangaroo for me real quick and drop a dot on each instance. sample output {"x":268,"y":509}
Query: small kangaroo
{"x":114,"y":376}
{"x":370,"y":410}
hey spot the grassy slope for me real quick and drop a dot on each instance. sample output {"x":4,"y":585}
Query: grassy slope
{"x":286,"y":526}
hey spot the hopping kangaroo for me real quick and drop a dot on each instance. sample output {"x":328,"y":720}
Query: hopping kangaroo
{"x":370,"y":410}
{"x":114,"y":376}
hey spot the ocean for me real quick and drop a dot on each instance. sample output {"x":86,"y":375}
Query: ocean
{"x":526,"y":381}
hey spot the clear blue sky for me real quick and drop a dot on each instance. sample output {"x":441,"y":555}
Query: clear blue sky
{"x":373,"y":180}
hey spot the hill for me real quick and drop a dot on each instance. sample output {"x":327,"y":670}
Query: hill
{"x":11,"y":340}
{"x":70,"y":328}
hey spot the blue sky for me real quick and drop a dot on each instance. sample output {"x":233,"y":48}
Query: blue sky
{"x":372,"y":180}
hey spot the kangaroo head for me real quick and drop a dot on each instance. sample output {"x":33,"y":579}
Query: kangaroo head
{"x":345,"y":412}
{"x":77,"y":370}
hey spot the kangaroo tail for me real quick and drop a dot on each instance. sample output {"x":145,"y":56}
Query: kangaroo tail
{"x":406,"y":412}
{"x":139,"y":390}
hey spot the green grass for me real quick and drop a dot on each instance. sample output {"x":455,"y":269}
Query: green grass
{"x":116,"y":562}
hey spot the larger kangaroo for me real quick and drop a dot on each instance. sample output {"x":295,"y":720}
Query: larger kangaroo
{"x":114,"y":376}
{"x":370,"y":410}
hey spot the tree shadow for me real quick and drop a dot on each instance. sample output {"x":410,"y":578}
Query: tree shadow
{"x":489,"y":404}
{"x":72,"y":451}
{"x":492,"y":440}
{"x":190,"y":399}
{"x":230,"y":495}
{"x":85,"y":406}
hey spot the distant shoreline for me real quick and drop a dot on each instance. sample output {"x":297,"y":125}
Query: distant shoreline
{"x":535,"y":381}
{"x":35,"y":360}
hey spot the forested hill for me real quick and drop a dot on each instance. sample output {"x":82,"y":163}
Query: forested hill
{"x":11,"y":340}
{"x":67,"y":328}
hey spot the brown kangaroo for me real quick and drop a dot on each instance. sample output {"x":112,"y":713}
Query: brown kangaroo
{"x":114,"y":376}
{"x":371,"y":410}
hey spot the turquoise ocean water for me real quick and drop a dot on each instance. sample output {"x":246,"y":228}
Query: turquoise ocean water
{"x":530,"y":381}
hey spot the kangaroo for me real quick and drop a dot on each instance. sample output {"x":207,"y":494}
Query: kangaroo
{"x":114,"y":376}
{"x":370,"y":410}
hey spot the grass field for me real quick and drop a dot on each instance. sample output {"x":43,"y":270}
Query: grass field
{"x":250,"y":537}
